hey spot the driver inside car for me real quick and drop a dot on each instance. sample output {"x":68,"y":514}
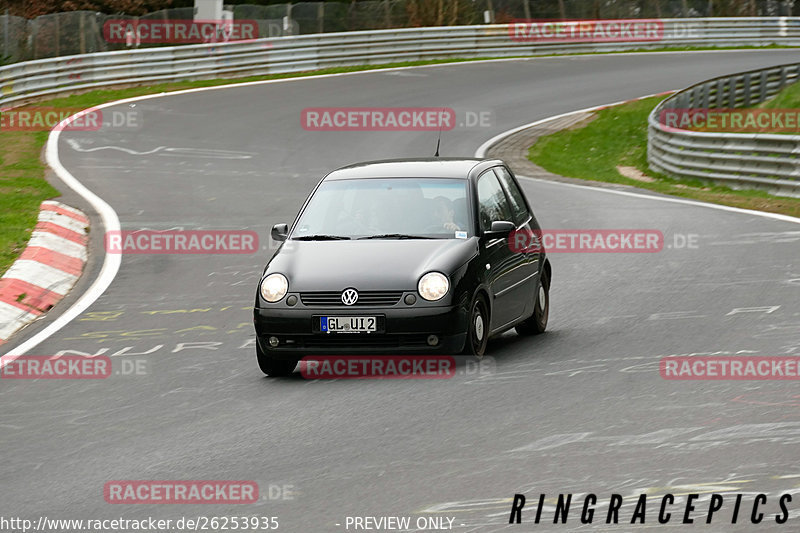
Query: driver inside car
{"x":444,"y":213}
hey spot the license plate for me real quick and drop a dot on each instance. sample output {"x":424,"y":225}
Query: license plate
{"x":348,"y":324}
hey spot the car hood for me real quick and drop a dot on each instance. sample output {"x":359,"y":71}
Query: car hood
{"x":368,"y":264}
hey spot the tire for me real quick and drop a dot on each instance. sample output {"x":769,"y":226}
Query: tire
{"x":478,"y":329}
{"x":274,"y":367}
{"x":537,"y":322}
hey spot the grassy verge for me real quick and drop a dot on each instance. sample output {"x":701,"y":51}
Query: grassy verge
{"x":22,"y":183}
{"x":618,"y":137}
{"x":22,"y":189}
{"x":788,"y":98}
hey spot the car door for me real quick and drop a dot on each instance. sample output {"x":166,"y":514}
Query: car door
{"x":525,"y":223}
{"x":505,"y":269}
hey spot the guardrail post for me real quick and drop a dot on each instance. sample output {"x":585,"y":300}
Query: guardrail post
{"x":762,"y":87}
{"x":747,"y":81}
{"x":718,"y":98}
{"x":696,"y":96}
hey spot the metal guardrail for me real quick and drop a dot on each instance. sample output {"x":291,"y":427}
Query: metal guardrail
{"x":21,"y":82}
{"x":737,"y":160}
{"x":81,"y":32}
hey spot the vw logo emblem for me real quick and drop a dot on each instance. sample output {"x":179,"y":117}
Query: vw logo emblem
{"x":349,"y":296}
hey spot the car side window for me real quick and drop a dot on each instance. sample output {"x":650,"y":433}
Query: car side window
{"x":517,"y":200}
{"x":492,"y":202}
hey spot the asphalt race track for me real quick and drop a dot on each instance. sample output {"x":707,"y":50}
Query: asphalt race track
{"x":580,"y":409}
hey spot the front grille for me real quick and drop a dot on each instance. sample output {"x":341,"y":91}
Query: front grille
{"x":365,"y":298}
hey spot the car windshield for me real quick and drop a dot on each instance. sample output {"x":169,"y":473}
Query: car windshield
{"x":386,"y":208}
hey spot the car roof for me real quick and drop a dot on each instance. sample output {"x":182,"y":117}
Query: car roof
{"x":433,"y":167}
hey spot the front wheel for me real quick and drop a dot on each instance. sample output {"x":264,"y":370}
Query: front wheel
{"x":274,"y":367}
{"x":537,"y":323}
{"x":478,"y":329}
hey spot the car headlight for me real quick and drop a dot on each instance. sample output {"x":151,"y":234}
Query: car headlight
{"x":274,"y":287}
{"x":433,"y":286}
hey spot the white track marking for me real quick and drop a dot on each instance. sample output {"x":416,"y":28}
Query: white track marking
{"x":76,"y":145}
{"x":110,"y":222}
{"x":110,"y":219}
{"x":166,"y":150}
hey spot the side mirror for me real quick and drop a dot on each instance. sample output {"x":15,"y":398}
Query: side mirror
{"x":280,"y":232}
{"x":499,"y":230}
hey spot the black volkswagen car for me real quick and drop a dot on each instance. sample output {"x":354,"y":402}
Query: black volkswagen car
{"x":402,"y":256}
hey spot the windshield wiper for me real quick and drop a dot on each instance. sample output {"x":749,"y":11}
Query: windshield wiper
{"x":395,"y":236}
{"x":321,"y":238}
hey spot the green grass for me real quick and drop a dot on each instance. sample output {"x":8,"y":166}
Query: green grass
{"x":788,"y":98}
{"x":22,"y":183}
{"x":22,"y":189}
{"x":618,"y":137}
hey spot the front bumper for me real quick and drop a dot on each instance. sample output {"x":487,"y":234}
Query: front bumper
{"x":406,"y":331}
